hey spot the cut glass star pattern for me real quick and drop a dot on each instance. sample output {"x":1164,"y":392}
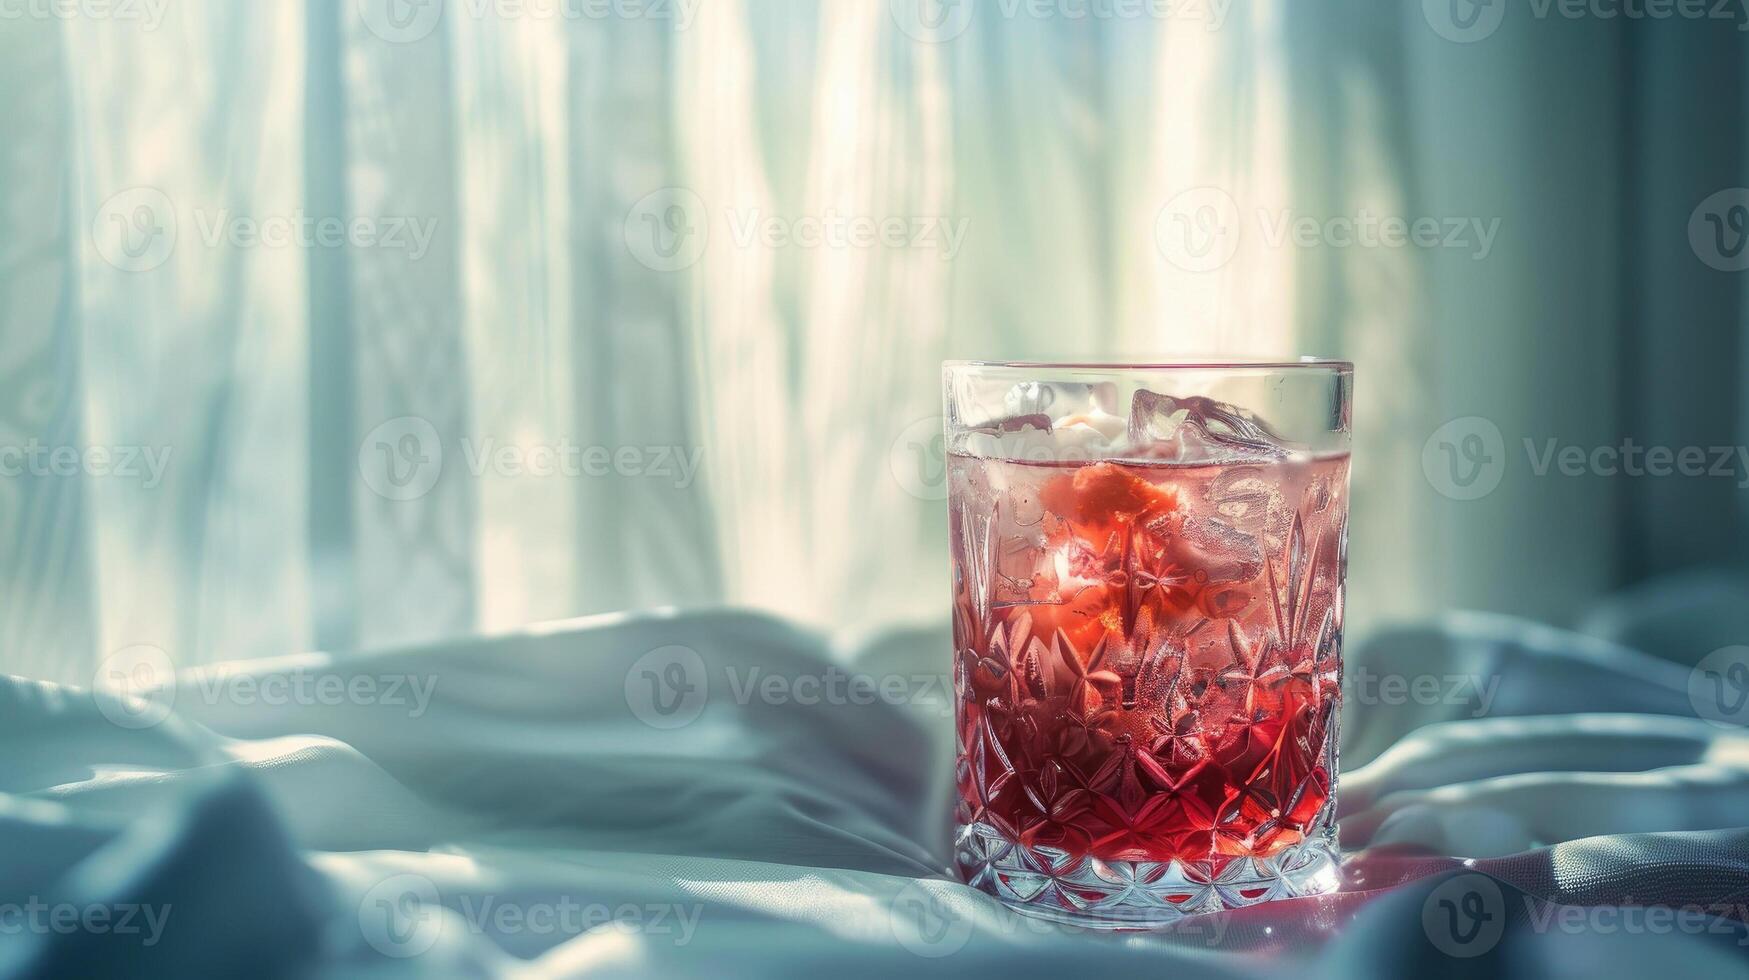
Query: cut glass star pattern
{"x":1146,"y":712}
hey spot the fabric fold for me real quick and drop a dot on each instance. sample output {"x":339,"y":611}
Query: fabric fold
{"x":716,"y":793}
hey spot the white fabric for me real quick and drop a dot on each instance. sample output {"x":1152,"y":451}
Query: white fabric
{"x":806,"y":377}
{"x":797,"y":834}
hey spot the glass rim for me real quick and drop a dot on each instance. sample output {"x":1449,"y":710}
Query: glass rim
{"x":1189,"y":364}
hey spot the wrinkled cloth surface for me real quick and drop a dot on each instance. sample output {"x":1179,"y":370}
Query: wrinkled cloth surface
{"x":718,"y":793}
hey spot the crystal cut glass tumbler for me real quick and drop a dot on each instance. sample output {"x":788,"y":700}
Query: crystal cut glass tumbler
{"x":1148,"y":572}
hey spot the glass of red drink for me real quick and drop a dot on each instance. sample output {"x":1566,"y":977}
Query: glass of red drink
{"x":1148,"y":582}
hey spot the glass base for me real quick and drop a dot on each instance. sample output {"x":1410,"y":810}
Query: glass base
{"x":1050,"y":883}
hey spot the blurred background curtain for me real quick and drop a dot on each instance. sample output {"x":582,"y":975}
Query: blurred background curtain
{"x":541,"y":147}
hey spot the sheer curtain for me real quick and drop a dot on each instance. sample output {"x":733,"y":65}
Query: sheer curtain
{"x":619,"y":259}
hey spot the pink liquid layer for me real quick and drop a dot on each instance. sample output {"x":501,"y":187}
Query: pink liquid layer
{"x":1148,"y":654}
